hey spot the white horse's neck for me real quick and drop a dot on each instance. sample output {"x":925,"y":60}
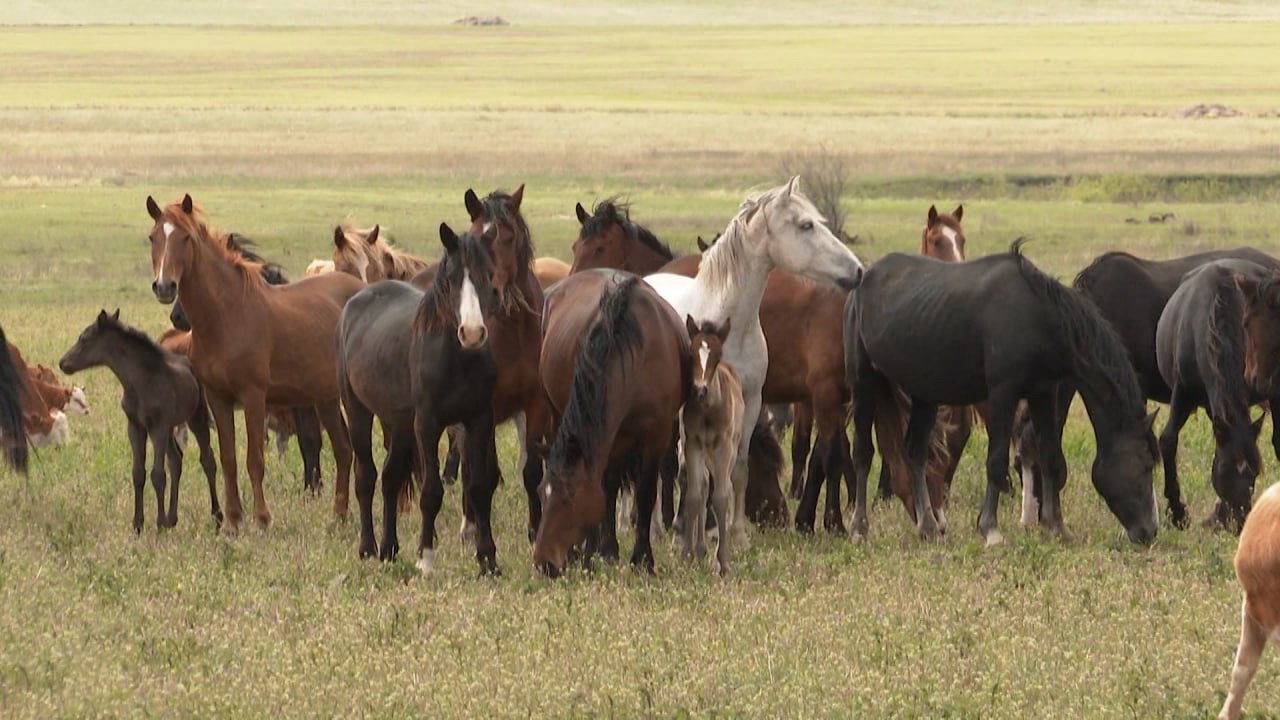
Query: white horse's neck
{"x":731,"y":280}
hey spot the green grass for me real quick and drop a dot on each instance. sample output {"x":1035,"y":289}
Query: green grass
{"x":1059,"y":133}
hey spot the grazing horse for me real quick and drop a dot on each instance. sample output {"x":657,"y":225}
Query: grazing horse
{"x":616,"y":367}
{"x":1258,"y":570}
{"x":304,"y":421}
{"x":401,"y":352}
{"x":366,"y":254}
{"x":161,"y":394}
{"x":12,"y":438}
{"x":251,"y":344}
{"x":942,"y":332}
{"x":1200,"y":350}
{"x":712,"y":430}
{"x":780,"y":228}
{"x":1130,"y":294}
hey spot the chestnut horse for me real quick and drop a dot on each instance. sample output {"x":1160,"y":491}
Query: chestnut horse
{"x":1258,"y":570}
{"x":616,"y":368}
{"x":252,"y":344}
{"x":550,"y":271}
{"x":366,"y":254}
{"x":12,"y":437}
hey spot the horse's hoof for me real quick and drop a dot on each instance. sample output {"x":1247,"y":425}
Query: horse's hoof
{"x":426,"y":561}
{"x":928,"y":531}
{"x":368,"y":550}
{"x":230,"y":528}
{"x":741,"y":540}
{"x":263,"y":519}
{"x":1178,"y":516}
{"x":993,"y":539}
{"x":858,"y":537}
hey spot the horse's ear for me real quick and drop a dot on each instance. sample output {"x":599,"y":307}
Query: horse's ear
{"x":187,"y":204}
{"x":792,"y":184}
{"x":102,"y":317}
{"x":517,"y":197}
{"x":691,"y":326}
{"x":933,"y":216}
{"x":153,"y":209}
{"x":115,"y":316}
{"x":448,"y":238}
{"x":959,"y":213}
{"x":723,"y":333}
{"x":373,"y":234}
{"x":339,"y":237}
{"x":474,"y":207}
{"x":582,"y":214}
{"x":702,"y":244}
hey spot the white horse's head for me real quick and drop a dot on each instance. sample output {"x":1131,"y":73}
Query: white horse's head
{"x":784,"y":226}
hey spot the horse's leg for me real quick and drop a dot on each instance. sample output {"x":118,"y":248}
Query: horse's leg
{"x":668,"y":474}
{"x":199,"y":424}
{"x":532,"y":425}
{"x":427,"y":445}
{"x":160,"y":440}
{"x":397,"y":470}
{"x":830,"y":419}
{"x":467,"y":530}
{"x":721,"y":461}
{"x":919,"y":433}
{"x":1180,"y":410}
{"x":224,"y":420}
{"x":173,"y":453}
{"x":644,"y":485}
{"x":453,"y":456}
{"x":863,"y":380}
{"x":1253,"y":639}
{"x":340,"y":439}
{"x":1001,"y":405}
{"x":807,"y":508}
{"x":739,"y":527}
{"x":693,"y":501}
{"x":254,"y":402}
{"x":138,"y":444}
{"x":801,"y":429}
{"x":1273,"y":403}
{"x":306,"y":422}
{"x":482,"y":457}
{"x":1053,"y":465}
{"x":360,"y":429}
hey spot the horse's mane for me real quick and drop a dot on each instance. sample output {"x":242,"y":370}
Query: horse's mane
{"x":497,"y":208}
{"x":146,"y":347}
{"x":612,"y":210}
{"x":615,"y":331}
{"x":272,"y":272}
{"x":399,"y":264}
{"x":193,"y":224}
{"x":1099,"y":360}
{"x":1225,"y":343}
{"x":722,"y":261}
{"x":436,"y":312}
{"x":12,"y":436}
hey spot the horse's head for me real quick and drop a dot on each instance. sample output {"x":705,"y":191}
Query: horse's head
{"x":497,"y":221}
{"x":943,"y":238}
{"x":602,"y":237}
{"x":1236,"y":466}
{"x":707,"y":341}
{"x":171,"y":239}
{"x":353,"y":253}
{"x":784,"y":225}
{"x":572,"y":507}
{"x":1262,"y":331}
{"x":463,"y":287}
{"x":1122,"y":476}
{"x":91,"y":348}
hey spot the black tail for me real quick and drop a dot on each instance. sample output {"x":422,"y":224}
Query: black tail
{"x":766,"y":504}
{"x":12,"y":436}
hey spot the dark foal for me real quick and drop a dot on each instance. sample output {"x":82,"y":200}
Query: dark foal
{"x":160,"y":394}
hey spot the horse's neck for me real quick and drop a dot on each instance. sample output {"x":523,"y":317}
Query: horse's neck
{"x":1105,"y":414}
{"x":736,"y":294}
{"x":644,"y":260}
{"x":126,"y":363}
{"x":211,"y":290}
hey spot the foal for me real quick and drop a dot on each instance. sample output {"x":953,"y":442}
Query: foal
{"x":160,"y":394}
{"x":711,"y":430}
{"x":1258,"y":569}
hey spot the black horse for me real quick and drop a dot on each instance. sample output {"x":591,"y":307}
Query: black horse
{"x":1130,"y":294}
{"x":1200,"y":350}
{"x":305,"y":421}
{"x":995,"y":329}
{"x":12,"y":437}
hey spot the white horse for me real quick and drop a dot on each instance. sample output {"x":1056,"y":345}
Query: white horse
{"x":779,"y":229}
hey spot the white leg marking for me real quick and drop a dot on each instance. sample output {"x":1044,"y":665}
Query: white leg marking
{"x":1030,"y":508}
{"x":426,"y":561}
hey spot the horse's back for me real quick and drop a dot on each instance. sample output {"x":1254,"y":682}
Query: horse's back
{"x":374,"y":341}
{"x":1257,"y":560}
{"x":331,"y":287}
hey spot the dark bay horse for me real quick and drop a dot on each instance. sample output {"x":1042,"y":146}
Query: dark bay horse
{"x":943,"y":333}
{"x":305,"y":422}
{"x":1130,"y":293}
{"x":12,"y":436}
{"x":161,"y":394}
{"x":1201,"y":346}
{"x":616,"y":368}
{"x":419,"y":361}
{"x":252,"y":344}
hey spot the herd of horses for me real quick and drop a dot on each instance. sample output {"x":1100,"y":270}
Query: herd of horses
{"x":638,"y":369}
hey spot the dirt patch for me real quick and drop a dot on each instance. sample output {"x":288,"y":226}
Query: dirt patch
{"x":474,"y":20}
{"x":1209,"y":110}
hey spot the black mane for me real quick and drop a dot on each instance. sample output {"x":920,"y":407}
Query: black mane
{"x":497,"y":209}
{"x":272,"y":272}
{"x":147,"y":348}
{"x":436,"y":312}
{"x":611,"y":210}
{"x":14,"y":439}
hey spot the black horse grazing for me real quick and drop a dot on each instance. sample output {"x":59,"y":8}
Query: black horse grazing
{"x":12,"y":437}
{"x":1130,"y":294}
{"x":995,"y":329}
{"x":1200,"y":349}
{"x":305,"y":421}
{"x":161,"y":393}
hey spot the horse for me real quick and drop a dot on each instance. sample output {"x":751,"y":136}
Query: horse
{"x":1257,"y":564}
{"x":942,"y":333}
{"x":779,"y":228}
{"x":1201,"y":347}
{"x":616,"y":368}
{"x":161,"y":393}
{"x":366,"y":254}
{"x":301,"y":422}
{"x":711,"y":423}
{"x":318,"y":267}
{"x":12,"y":437}
{"x":608,"y":238}
{"x":251,"y":343}
{"x":419,"y":361}
{"x":550,"y":271}
{"x":1130,"y":293}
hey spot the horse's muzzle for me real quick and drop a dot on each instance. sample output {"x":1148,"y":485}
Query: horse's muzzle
{"x":851,"y":283}
{"x":165,"y":292}
{"x":473,"y":338}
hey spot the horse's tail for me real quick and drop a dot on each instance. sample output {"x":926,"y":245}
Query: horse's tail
{"x":766,"y":504}
{"x":12,"y":436}
{"x":1226,"y":351}
{"x":615,"y":331}
{"x":1098,"y":358}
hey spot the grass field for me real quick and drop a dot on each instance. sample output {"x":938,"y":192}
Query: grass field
{"x":1052,"y":128}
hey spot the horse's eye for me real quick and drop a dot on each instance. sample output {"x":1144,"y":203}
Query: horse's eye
{"x":807,"y":225}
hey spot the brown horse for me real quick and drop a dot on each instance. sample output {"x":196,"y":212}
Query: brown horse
{"x":616,"y":368}
{"x":550,"y":271}
{"x":252,"y":343}
{"x":1258,"y":570}
{"x":12,"y":438}
{"x":366,"y":254}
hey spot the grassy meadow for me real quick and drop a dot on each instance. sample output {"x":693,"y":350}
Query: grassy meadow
{"x":1044,"y":124}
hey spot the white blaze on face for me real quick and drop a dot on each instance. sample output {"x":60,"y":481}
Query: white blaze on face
{"x":168,"y":232}
{"x":704,"y":355}
{"x":952,"y":238}
{"x":470,"y":318}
